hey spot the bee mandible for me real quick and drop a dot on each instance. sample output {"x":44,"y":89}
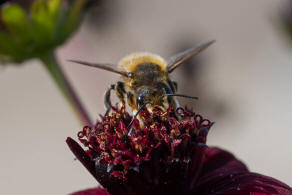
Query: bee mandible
{"x":145,"y":79}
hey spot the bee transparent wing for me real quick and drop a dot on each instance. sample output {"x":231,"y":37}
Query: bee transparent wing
{"x":108,"y":67}
{"x":178,"y":59}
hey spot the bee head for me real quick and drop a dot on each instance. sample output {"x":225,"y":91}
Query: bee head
{"x":153,"y":95}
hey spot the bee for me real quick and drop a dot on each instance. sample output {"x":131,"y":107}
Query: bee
{"x":145,"y":80}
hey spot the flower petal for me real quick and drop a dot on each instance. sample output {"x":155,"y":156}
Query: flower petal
{"x":93,"y":191}
{"x":222,"y":173}
{"x":81,"y":155}
{"x":97,"y":171}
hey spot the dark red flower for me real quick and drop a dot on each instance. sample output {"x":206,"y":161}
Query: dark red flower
{"x":163,"y":153}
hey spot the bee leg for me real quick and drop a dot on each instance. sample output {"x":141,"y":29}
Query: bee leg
{"x":172,"y":100}
{"x":176,"y":104}
{"x":107,"y":99}
{"x":131,"y":100}
{"x":174,"y":84}
{"x":120,"y":90}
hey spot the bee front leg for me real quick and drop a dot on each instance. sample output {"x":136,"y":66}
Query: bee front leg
{"x":119,"y":90}
{"x":107,"y":99}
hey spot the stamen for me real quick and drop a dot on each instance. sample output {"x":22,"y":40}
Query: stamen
{"x":165,"y":137}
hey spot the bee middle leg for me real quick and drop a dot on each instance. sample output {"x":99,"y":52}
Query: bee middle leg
{"x":107,"y":99}
{"x":120,"y":90}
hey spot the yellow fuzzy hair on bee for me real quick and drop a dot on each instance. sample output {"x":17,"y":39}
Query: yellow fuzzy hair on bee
{"x":130,"y":62}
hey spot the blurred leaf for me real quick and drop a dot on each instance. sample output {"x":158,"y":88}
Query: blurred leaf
{"x":7,"y":47}
{"x":43,"y":23}
{"x":48,"y":24}
{"x":54,"y":7}
{"x":287,"y":26}
{"x":17,"y":23}
{"x":74,"y":16}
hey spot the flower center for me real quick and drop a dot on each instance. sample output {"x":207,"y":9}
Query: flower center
{"x":175,"y":135}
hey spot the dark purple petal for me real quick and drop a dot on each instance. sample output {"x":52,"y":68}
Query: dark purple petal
{"x":222,"y":173}
{"x":99,"y":172}
{"x":196,"y":167}
{"x":93,"y":191}
{"x":82,"y":156}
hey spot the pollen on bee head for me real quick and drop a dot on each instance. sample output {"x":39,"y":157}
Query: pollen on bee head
{"x":130,"y":62}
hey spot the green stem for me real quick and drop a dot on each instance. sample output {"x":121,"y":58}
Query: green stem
{"x":58,"y":75}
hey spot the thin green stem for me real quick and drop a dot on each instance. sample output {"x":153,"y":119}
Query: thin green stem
{"x":62,"y":82}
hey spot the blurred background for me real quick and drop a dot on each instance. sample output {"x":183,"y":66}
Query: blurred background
{"x":243,"y":82}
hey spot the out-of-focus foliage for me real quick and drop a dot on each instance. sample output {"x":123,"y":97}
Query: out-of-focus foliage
{"x":47,"y":24}
{"x":287,"y":20}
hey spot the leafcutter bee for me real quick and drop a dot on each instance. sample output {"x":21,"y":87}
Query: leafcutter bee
{"x":145,"y":79}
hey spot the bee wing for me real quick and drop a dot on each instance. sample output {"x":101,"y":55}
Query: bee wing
{"x":178,"y":59}
{"x":108,"y":67}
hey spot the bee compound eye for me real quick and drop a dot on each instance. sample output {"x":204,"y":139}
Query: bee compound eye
{"x":164,"y":88}
{"x":140,"y":100}
{"x":130,"y":75}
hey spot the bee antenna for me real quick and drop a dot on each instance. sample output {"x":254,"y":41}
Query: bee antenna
{"x":138,"y":111}
{"x":181,"y":95}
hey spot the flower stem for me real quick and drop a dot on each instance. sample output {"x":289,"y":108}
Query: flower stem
{"x":58,"y":75}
